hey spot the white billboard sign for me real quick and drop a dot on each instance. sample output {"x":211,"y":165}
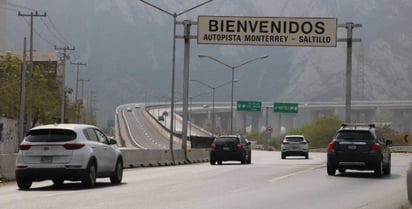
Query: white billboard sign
{"x":267,"y":31}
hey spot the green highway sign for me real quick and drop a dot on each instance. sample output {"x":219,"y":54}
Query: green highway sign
{"x":253,"y":106}
{"x":285,"y":107}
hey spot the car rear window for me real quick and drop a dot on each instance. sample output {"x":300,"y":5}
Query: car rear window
{"x":226,"y":140}
{"x":354,"y":135}
{"x":294,"y":139}
{"x":50,"y":135}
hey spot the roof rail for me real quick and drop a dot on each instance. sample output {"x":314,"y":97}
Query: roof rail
{"x":370,"y":125}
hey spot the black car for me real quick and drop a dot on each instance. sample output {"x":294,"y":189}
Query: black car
{"x":231,"y":148}
{"x":359,"y":147}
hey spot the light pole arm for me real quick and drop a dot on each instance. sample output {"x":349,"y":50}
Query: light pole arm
{"x":203,"y":83}
{"x":158,"y":8}
{"x":216,"y":60}
{"x":252,"y":60}
{"x":199,"y":5}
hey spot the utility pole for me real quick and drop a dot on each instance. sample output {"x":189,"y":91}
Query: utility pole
{"x":77,"y":89}
{"x":348,"y":99}
{"x":63,"y":85}
{"x":82,"y":87}
{"x":31,"y":15}
{"x":22,"y":93}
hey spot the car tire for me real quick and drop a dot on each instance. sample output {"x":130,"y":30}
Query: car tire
{"x":58,"y":182}
{"x":331,"y":170}
{"x":387,"y":169}
{"x":283,"y":155}
{"x":307,"y":156}
{"x":212,"y":162}
{"x":249,"y":159}
{"x":24,"y":184}
{"x":117,"y":176}
{"x":90,"y":179}
{"x":243,"y":159}
{"x":378,"y":171}
{"x":219,"y":162}
{"x":342,"y":170}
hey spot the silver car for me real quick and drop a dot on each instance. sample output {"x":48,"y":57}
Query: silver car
{"x":74,"y":152}
{"x":294,"y":145}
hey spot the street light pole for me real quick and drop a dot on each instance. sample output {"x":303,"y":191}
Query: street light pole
{"x":174,"y":15}
{"x":213,"y":98}
{"x":233,"y":78}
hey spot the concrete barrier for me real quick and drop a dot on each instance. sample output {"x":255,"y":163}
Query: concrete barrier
{"x":7,"y":165}
{"x":132,"y":158}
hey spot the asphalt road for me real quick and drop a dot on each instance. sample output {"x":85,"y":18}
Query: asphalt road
{"x":268,"y":182}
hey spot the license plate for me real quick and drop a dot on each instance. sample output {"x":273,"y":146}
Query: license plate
{"x":352,"y":147}
{"x":226,"y":148}
{"x":46,"y":159}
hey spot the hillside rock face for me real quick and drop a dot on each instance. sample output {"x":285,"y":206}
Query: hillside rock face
{"x":128,"y":48}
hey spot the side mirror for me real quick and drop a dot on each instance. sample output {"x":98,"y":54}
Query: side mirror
{"x":112,"y":141}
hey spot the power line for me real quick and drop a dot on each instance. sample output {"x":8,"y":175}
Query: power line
{"x":39,"y":35}
{"x":19,"y":6}
{"x":61,"y":35}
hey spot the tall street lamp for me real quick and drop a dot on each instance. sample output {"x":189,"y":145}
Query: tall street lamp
{"x":213,"y":98}
{"x":174,"y":15}
{"x":233,"y":78}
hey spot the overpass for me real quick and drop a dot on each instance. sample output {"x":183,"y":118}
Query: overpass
{"x":396,"y":113}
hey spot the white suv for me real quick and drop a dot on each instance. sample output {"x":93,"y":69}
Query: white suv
{"x":294,"y":145}
{"x":74,"y":152}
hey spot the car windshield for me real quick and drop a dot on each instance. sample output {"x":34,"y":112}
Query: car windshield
{"x":50,"y":135}
{"x":294,"y":139}
{"x":354,"y":135}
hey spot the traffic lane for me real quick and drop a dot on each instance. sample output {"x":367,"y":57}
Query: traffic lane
{"x":144,"y":133}
{"x":268,"y":182}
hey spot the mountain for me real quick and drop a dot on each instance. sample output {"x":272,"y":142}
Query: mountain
{"x":128,"y":49}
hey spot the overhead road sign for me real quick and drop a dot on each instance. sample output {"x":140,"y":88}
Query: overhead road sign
{"x":267,"y":31}
{"x":253,"y":106}
{"x":285,"y":107}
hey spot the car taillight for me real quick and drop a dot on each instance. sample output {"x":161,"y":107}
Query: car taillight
{"x":240,"y":146}
{"x":213,"y":146}
{"x":24,"y":146}
{"x":73,"y":146}
{"x":331,"y":147}
{"x":375,"y":147}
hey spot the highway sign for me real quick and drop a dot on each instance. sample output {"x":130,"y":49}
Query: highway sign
{"x":285,"y":107}
{"x":253,"y":106}
{"x":267,"y":31}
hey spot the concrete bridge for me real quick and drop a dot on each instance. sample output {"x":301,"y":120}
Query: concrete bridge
{"x":396,"y":113}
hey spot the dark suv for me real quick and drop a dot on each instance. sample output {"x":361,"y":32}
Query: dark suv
{"x":231,"y":148}
{"x":359,"y":147}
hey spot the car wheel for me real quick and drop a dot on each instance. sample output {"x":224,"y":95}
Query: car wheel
{"x":342,"y":170}
{"x":387,"y":169}
{"x":243,"y":159}
{"x":58,"y":182}
{"x":212,"y":162}
{"x":283,"y":155}
{"x":249,"y":159}
{"x":219,"y":162}
{"x":117,"y":176}
{"x":331,"y":170}
{"x":307,"y":156}
{"x":90,"y":179}
{"x":23,"y":184}
{"x":379,"y":169}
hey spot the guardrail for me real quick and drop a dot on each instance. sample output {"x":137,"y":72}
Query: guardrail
{"x":401,"y":148}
